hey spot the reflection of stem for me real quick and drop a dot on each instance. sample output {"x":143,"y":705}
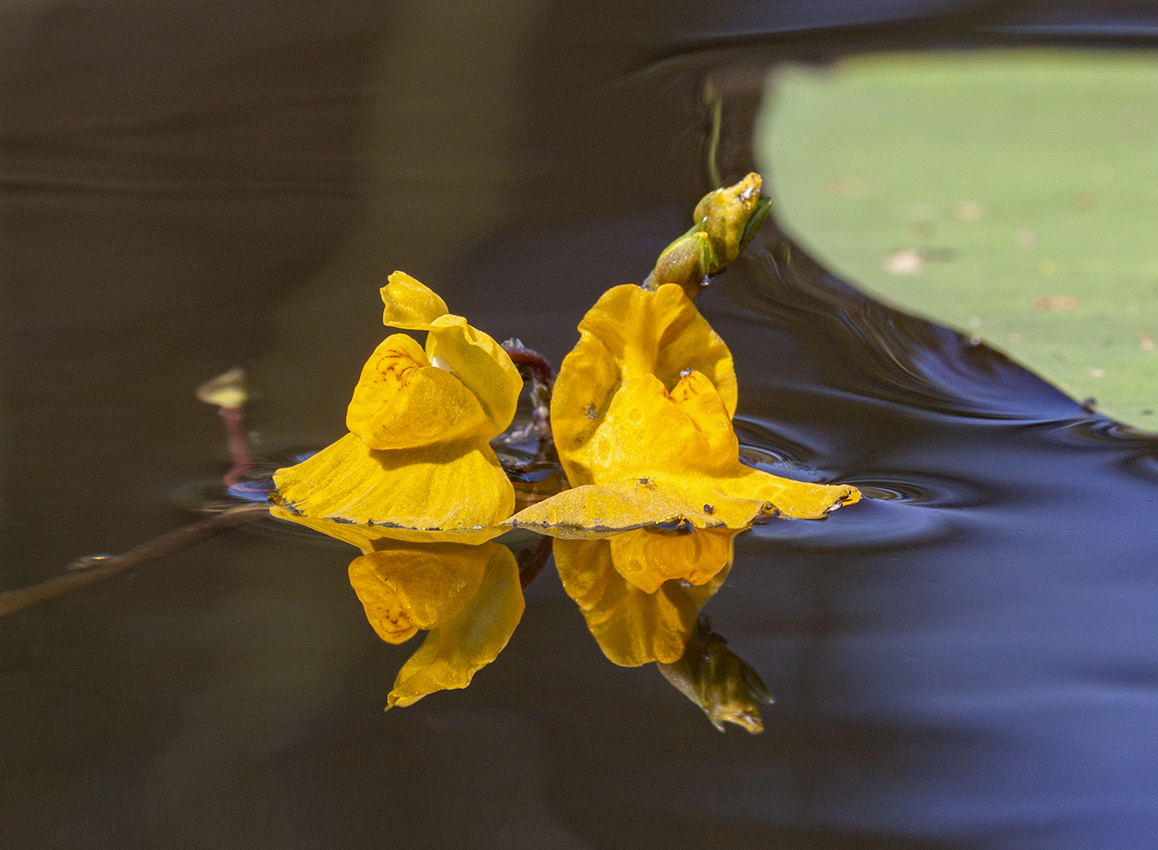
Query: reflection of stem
{"x":532,"y":561}
{"x":234,"y":419}
{"x":160,"y":547}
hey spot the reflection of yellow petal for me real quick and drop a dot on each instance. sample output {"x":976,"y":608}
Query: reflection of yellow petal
{"x":410,"y":304}
{"x":403,"y":402}
{"x":647,"y":557}
{"x":443,"y":487}
{"x":405,"y":588}
{"x":632,"y":627}
{"x":457,"y":649}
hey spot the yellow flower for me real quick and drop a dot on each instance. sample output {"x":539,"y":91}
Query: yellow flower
{"x":642,"y":420}
{"x":468,"y":598}
{"x":646,"y":616}
{"x":421,"y":418}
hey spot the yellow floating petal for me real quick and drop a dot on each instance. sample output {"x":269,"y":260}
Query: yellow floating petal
{"x":460,"y":647}
{"x":590,"y":512}
{"x":632,"y":627}
{"x":370,"y":537}
{"x":405,"y":588}
{"x":660,"y":457}
{"x":409,"y":304}
{"x":445,"y":487}
{"x":403,"y":402}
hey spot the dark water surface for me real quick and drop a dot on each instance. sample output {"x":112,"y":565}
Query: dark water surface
{"x":967,"y":660}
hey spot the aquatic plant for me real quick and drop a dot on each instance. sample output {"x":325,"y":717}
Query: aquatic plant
{"x":639,"y":420}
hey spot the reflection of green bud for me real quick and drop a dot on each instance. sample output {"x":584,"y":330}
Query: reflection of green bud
{"x":726,"y":220}
{"x":718,"y":681}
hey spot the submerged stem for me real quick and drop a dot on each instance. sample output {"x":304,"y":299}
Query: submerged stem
{"x":167,"y":544}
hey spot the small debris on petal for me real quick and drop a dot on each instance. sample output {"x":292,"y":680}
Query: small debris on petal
{"x":1146,"y":341}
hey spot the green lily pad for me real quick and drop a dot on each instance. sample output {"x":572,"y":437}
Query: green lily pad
{"x":1012,"y":195}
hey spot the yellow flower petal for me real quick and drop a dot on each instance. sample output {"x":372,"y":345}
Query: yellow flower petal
{"x":405,"y":588}
{"x":632,"y":627}
{"x":446,"y":487}
{"x":409,"y":304}
{"x":646,"y":428}
{"x":460,"y":647}
{"x":629,"y":333}
{"x":403,"y":402}
{"x":480,"y":364}
{"x":591,"y":512}
{"x":469,"y":354}
{"x":660,"y":457}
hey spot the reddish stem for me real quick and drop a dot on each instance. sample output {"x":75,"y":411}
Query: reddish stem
{"x":234,"y":420}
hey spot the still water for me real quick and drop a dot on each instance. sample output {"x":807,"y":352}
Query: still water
{"x":964,"y":660}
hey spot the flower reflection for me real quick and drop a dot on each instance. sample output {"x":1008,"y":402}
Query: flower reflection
{"x":462,"y":589}
{"x":468,"y":598}
{"x":421,"y":418}
{"x":636,"y":609}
